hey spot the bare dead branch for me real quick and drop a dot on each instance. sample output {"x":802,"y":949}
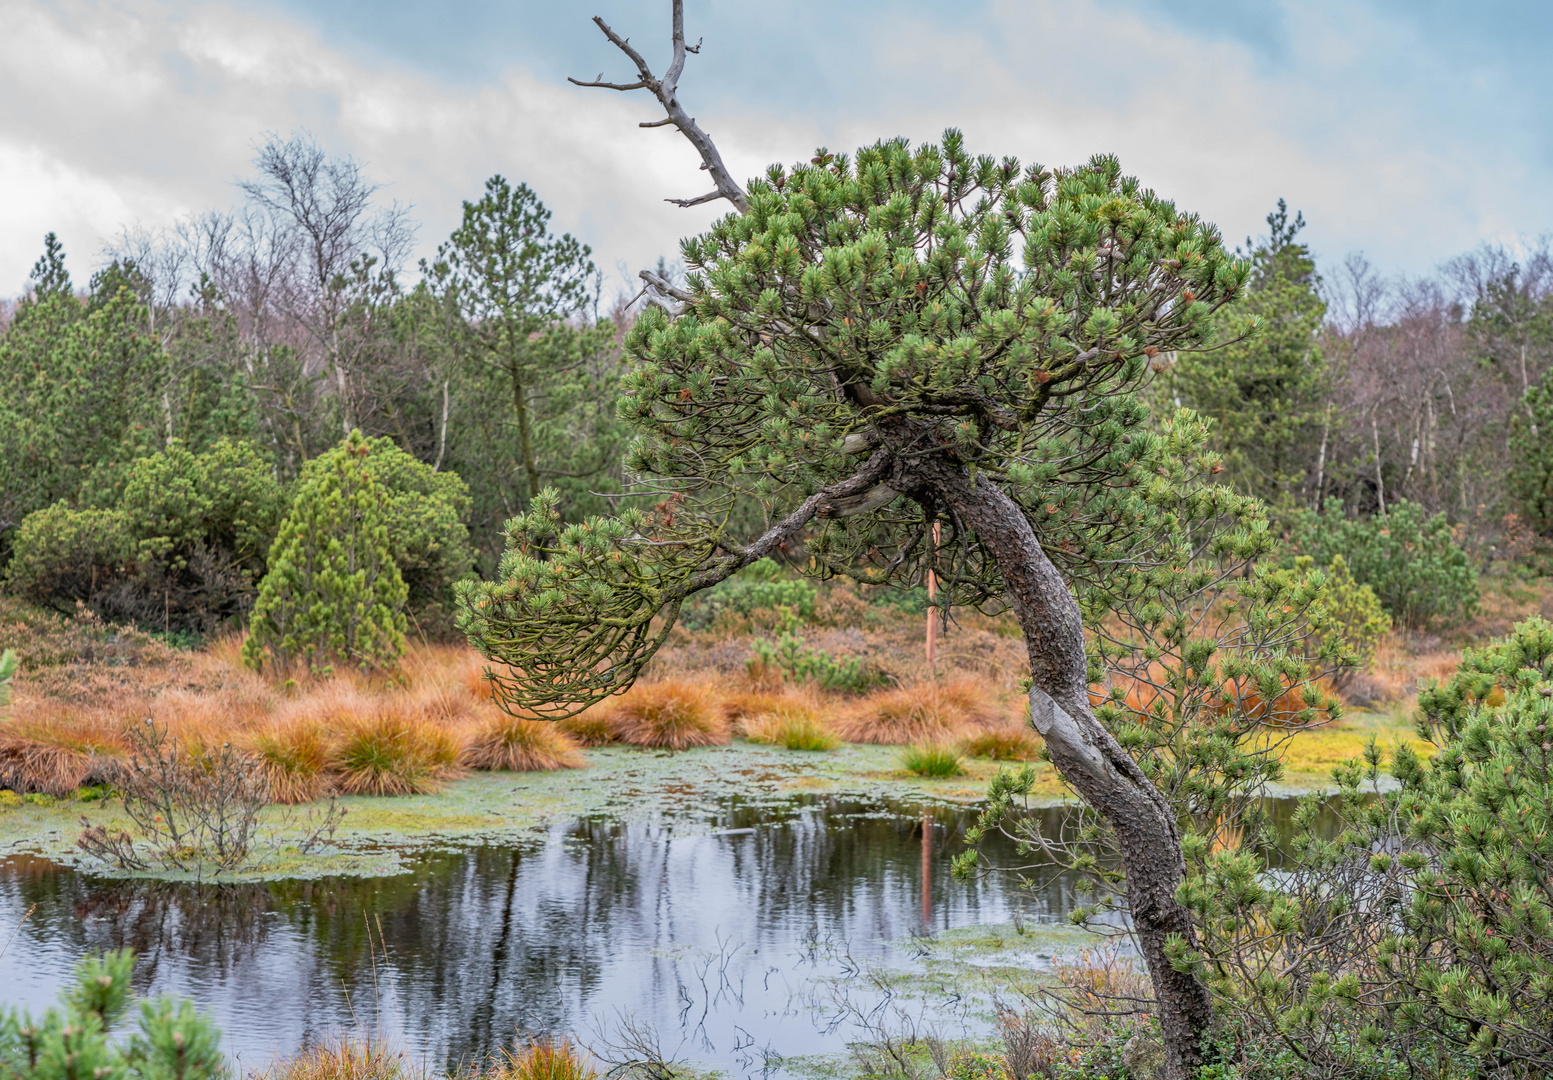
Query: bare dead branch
{"x":666,"y":90}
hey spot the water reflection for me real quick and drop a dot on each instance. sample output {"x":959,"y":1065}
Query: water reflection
{"x":714,"y":920}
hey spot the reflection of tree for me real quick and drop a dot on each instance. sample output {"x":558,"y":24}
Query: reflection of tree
{"x":471,"y":948}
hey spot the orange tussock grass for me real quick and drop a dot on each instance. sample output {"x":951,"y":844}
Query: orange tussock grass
{"x":393,"y":750}
{"x":500,"y":742}
{"x":923,"y":712}
{"x":675,"y":714}
{"x":1139,"y":695}
{"x":741,"y":706}
{"x":545,"y":1059}
{"x":53,"y":748}
{"x":591,"y":728}
{"x":1002,"y":744}
{"x":343,"y":1057}
{"x":295,"y":759}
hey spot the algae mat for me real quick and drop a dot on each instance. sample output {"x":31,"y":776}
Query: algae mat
{"x":379,"y":835}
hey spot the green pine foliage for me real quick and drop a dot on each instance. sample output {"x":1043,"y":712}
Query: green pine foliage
{"x":78,"y":1040}
{"x":61,"y":555}
{"x":1406,"y":928}
{"x":1357,"y":620}
{"x":1008,"y":315}
{"x":1409,"y":559}
{"x":1531,"y":457}
{"x":333,"y":593}
{"x":1266,"y":388}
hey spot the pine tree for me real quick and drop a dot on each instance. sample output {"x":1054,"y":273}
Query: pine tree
{"x":333,"y":592}
{"x":1531,"y":456}
{"x":1265,"y":388}
{"x":918,"y":359}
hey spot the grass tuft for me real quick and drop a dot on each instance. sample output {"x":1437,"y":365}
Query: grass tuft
{"x":54,"y":749}
{"x":932,"y":759}
{"x":675,"y":714}
{"x":1002,"y":744}
{"x":503,"y":743}
{"x":591,"y":728}
{"x":393,"y":752}
{"x":792,"y":727}
{"x":343,"y":1057}
{"x":925,"y":712}
{"x":295,"y":759}
{"x":546,"y":1059}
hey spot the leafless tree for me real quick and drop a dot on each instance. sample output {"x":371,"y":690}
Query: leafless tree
{"x":343,"y":251}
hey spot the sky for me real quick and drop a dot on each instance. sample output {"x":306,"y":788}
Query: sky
{"x":1408,"y":130}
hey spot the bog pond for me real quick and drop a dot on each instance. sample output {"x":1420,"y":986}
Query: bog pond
{"x":744,"y":929}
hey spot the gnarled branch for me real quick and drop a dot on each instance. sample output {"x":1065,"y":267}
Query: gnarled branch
{"x":666,"y":90}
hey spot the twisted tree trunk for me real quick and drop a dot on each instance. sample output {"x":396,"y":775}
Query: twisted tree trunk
{"x":1085,"y":753}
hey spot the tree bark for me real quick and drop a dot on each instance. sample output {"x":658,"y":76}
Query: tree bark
{"x":1085,"y":753}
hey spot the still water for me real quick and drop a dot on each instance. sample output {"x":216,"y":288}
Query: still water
{"x":712,"y":932}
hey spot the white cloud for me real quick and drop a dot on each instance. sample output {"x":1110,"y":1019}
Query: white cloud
{"x":137,"y":112}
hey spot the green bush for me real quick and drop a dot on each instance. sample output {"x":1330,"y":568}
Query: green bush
{"x":74,"y":1040}
{"x":761,"y":586}
{"x":1531,"y":457}
{"x":180,"y":547}
{"x":1418,"y":572}
{"x":424,"y":513}
{"x":333,"y":591}
{"x":61,"y":555}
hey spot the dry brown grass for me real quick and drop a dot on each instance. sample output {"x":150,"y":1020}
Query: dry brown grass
{"x":1002,"y":744}
{"x":675,"y":714}
{"x":55,"y":748}
{"x":544,"y":1059}
{"x":924,"y":712}
{"x":503,"y":743}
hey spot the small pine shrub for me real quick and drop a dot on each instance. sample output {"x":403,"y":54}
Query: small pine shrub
{"x":391,"y":753}
{"x":1530,"y":480}
{"x":172,"y":1041}
{"x":932,"y":760}
{"x":503,"y":743}
{"x":1002,"y":744}
{"x":802,"y":664}
{"x":1358,"y":621}
{"x":1411,"y":561}
{"x":333,"y":592}
{"x":675,"y":714}
{"x":792,"y":728}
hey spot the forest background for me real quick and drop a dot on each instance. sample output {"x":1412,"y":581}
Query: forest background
{"x":1401,"y":423}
